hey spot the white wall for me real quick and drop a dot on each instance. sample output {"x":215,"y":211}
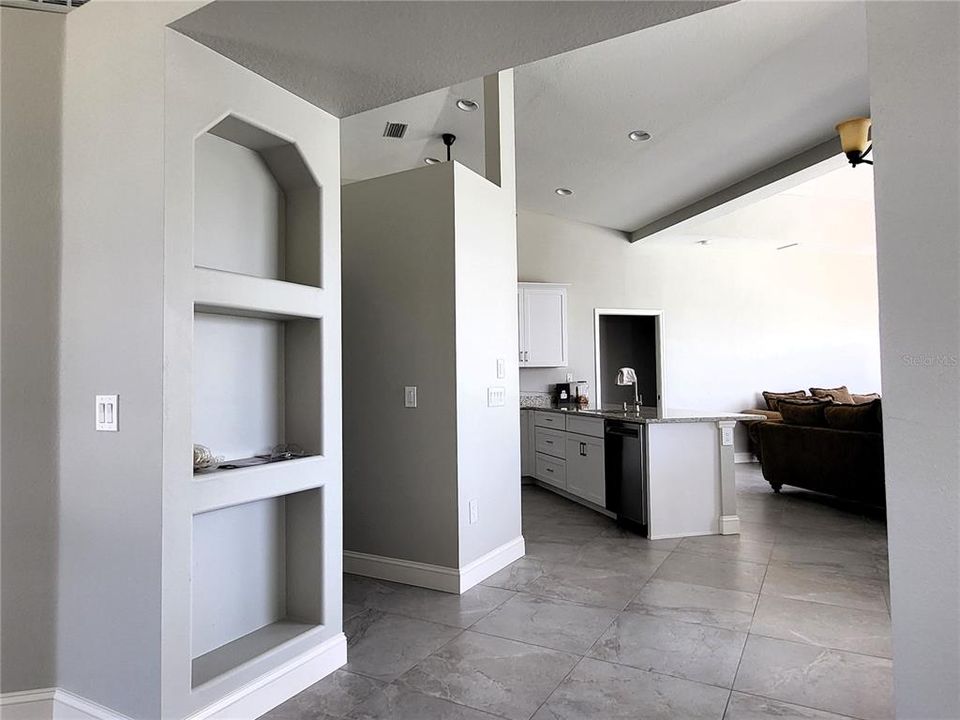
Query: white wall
{"x":735,"y":322}
{"x":32,"y":51}
{"x":913,"y":56}
{"x":135,"y":96}
{"x":488,"y":439}
{"x":237,"y":384}
{"x":239,"y":210}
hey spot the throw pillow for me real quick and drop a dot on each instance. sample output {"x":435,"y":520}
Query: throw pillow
{"x":861,"y":399}
{"x":837,"y":394}
{"x":865,"y":417}
{"x":773,"y":399}
{"x":808,"y":412}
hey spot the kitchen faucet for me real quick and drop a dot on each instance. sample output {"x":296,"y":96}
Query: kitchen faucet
{"x":628,"y":376}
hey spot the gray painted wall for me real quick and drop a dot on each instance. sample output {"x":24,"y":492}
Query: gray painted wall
{"x":400,"y":464}
{"x":628,"y":341}
{"x":33,"y":47}
{"x":915,"y":105}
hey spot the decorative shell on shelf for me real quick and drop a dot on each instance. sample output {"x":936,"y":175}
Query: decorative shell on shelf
{"x":203,"y":458}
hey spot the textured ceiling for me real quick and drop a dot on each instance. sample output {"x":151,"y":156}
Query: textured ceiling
{"x":725,"y":93}
{"x":347,"y":57}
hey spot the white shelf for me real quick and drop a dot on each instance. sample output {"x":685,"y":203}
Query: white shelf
{"x":237,"y":653}
{"x":222,"y":292}
{"x":226,"y":488}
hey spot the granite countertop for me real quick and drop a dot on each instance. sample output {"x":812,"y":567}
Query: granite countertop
{"x":650,"y":416}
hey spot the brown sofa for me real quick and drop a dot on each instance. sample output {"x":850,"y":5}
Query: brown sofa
{"x":824,"y":446}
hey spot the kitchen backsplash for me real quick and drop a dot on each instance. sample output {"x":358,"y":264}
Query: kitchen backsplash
{"x":535,"y":399}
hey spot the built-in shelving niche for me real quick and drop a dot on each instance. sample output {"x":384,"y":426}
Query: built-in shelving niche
{"x":256,"y":580}
{"x":256,"y":384}
{"x":257,"y":205}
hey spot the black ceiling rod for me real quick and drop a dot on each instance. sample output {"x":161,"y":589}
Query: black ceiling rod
{"x":448,"y":139}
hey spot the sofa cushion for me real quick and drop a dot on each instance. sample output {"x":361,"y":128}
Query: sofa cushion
{"x":808,"y":412}
{"x":773,"y":399}
{"x":861,"y":399}
{"x":837,"y":394}
{"x":865,"y":417}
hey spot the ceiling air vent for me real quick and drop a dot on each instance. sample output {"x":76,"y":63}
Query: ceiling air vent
{"x":395,"y":130}
{"x":50,"y":5}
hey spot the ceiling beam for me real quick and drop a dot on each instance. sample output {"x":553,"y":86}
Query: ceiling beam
{"x":755,"y":187}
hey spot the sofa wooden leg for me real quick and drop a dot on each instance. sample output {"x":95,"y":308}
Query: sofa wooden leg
{"x":776,"y":488}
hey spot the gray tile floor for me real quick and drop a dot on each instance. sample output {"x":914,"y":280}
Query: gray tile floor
{"x":789,"y":620}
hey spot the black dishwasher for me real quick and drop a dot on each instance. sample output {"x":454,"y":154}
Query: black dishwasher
{"x":626,"y":474}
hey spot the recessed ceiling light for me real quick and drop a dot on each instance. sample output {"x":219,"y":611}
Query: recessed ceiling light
{"x":703,"y":242}
{"x":564,"y":192}
{"x":467,"y":105}
{"x":784,"y":247}
{"x":639,"y":135}
{"x":432,"y":161}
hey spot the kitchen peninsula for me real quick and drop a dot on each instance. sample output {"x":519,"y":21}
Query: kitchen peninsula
{"x":666,"y":474}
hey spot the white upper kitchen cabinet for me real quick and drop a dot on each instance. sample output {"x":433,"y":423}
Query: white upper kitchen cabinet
{"x":543,"y":324}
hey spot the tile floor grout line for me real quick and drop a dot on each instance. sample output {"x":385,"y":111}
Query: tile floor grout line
{"x":743,"y":650}
{"x":559,"y":684}
{"x":800,"y":705}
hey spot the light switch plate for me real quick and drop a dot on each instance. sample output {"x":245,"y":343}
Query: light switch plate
{"x":410,"y":396}
{"x":496,"y":396}
{"x":474,"y":511}
{"x":107,"y":413}
{"x":569,"y":377}
{"x":726,"y":436}
{"x":501,"y":369}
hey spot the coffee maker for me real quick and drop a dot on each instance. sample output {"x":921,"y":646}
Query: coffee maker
{"x":567,"y":394}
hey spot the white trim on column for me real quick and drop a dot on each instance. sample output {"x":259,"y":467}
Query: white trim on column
{"x":249,"y":701}
{"x":53,"y":704}
{"x":408,"y":572}
{"x":729,"y":524}
{"x":744,"y":457}
{"x":434,"y":577}
{"x":268,"y":691}
{"x":497,"y":559}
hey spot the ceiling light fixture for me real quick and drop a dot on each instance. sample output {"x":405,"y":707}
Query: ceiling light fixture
{"x":467,"y":105}
{"x":432,"y":161}
{"x":639,"y":136}
{"x":448,"y":139}
{"x":703,"y":243}
{"x":564,"y":192}
{"x":855,"y":140}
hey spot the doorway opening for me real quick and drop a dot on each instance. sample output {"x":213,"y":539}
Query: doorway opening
{"x":628,"y":338}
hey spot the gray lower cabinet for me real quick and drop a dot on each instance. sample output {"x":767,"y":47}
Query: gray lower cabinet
{"x":552,"y":471}
{"x":584,"y":468}
{"x":527,"y":465}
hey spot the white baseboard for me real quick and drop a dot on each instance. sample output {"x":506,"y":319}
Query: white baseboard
{"x":250,"y":701}
{"x":268,"y":691}
{"x":434,"y":577}
{"x":53,"y":704}
{"x":494,"y":561}
{"x":408,"y":572}
{"x":744,"y":457}
{"x":729,"y":524}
